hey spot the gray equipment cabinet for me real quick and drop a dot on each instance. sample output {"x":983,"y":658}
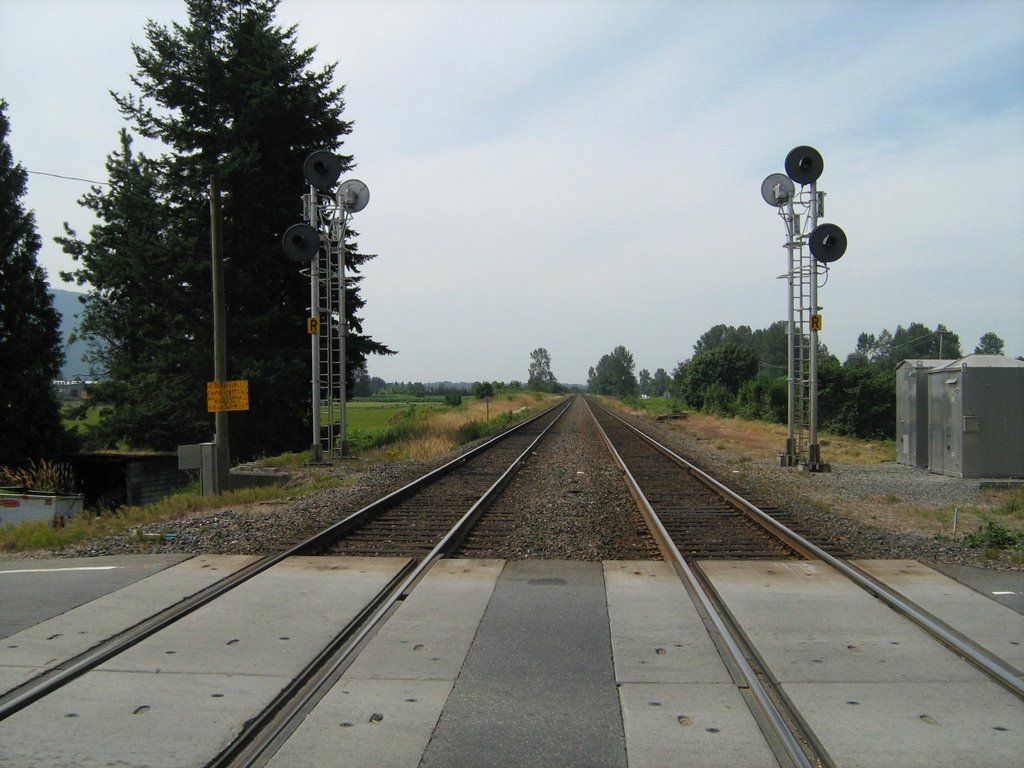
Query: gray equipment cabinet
{"x":976,"y":417}
{"x":912,"y":410}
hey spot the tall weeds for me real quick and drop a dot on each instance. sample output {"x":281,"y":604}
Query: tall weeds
{"x":421,"y":436}
{"x":48,"y":476}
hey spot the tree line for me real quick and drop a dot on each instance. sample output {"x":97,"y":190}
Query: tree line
{"x":374,"y":386}
{"x":737,"y":371}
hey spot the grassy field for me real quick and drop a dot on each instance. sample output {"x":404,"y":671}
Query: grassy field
{"x":761,"y":439}
{"x":423,"y":432}
{"x":370,"y":415}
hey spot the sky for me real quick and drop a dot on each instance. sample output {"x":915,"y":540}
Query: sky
{"x":583,"y":174}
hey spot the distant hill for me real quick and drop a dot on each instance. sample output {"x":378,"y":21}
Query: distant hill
{"x":67,"y":303}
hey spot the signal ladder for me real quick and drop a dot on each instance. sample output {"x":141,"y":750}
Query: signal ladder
{"x":328,"y":274}
{"x":804,"y":270}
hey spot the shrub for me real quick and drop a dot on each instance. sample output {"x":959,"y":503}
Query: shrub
{"x":470,"y":431}
{"x":763,"y":398}
{"x":718,"y":400}
{"x":993,"y":535}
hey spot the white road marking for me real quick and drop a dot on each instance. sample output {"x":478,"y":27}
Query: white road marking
{"x":60,"y":570}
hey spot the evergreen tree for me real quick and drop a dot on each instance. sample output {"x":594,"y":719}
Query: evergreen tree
{"x":230,"y":95}
{"x":31,"y":353}
{"x":144,"y":313}
{"x":644,"y":382}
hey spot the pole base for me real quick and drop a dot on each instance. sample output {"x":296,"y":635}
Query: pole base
{"x":791,"y":456}
{"x":819,"y":466}
{"x":316,"y":454}
{"x":814,"y":462}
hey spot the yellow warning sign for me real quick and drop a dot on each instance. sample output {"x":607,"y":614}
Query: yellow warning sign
{"x":227,"y":396}
{"x":312,"y":325}
{"x":815,"y":322}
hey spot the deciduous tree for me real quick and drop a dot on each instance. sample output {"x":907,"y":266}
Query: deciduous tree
{"x":725,"y":367}
{"x":540,"y":377}
{"x":989,"y":344}
{"x":613,"y":374}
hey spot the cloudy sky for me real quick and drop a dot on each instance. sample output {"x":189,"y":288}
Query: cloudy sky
{"x":582,"y":174}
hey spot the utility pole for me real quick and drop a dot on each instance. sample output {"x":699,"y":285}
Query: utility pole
{"x":220,"y":346}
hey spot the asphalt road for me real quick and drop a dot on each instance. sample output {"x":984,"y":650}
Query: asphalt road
{"x":32,"y":590}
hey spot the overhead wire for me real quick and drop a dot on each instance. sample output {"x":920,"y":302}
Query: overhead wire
{"x":68,"y":178}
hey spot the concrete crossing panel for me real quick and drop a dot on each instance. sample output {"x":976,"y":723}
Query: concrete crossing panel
{"x":178,"y":697}
{"x":381,"y":714}
{"x":48,"y":643}
{"x":874,"y":688}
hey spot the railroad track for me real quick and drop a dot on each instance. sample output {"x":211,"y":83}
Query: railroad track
{"x":692,"y":517}
{"x":701,"y":522}
{"x":631,"y":439}
{"x":410,"y":522}
{"x":395,"y":524}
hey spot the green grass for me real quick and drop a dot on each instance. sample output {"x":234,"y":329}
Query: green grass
{"x":656,"y":406}
{"x":379,"y":416}
{"x":1002,"y":529}
{"x":72,"y":415}
{"x":1012,"y":504}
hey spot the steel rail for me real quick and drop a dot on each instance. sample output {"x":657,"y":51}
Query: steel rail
{"x":671,"y":553}
{"x":991,"y":664}
{"x":42,"y":685}
{"x":47,"y":682}
{"x":323,"y":538}
{"x":267,"y":731}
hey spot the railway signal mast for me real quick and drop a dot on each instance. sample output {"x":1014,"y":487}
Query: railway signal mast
{"x":320,"y":242}
{"x":826,"y":243}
